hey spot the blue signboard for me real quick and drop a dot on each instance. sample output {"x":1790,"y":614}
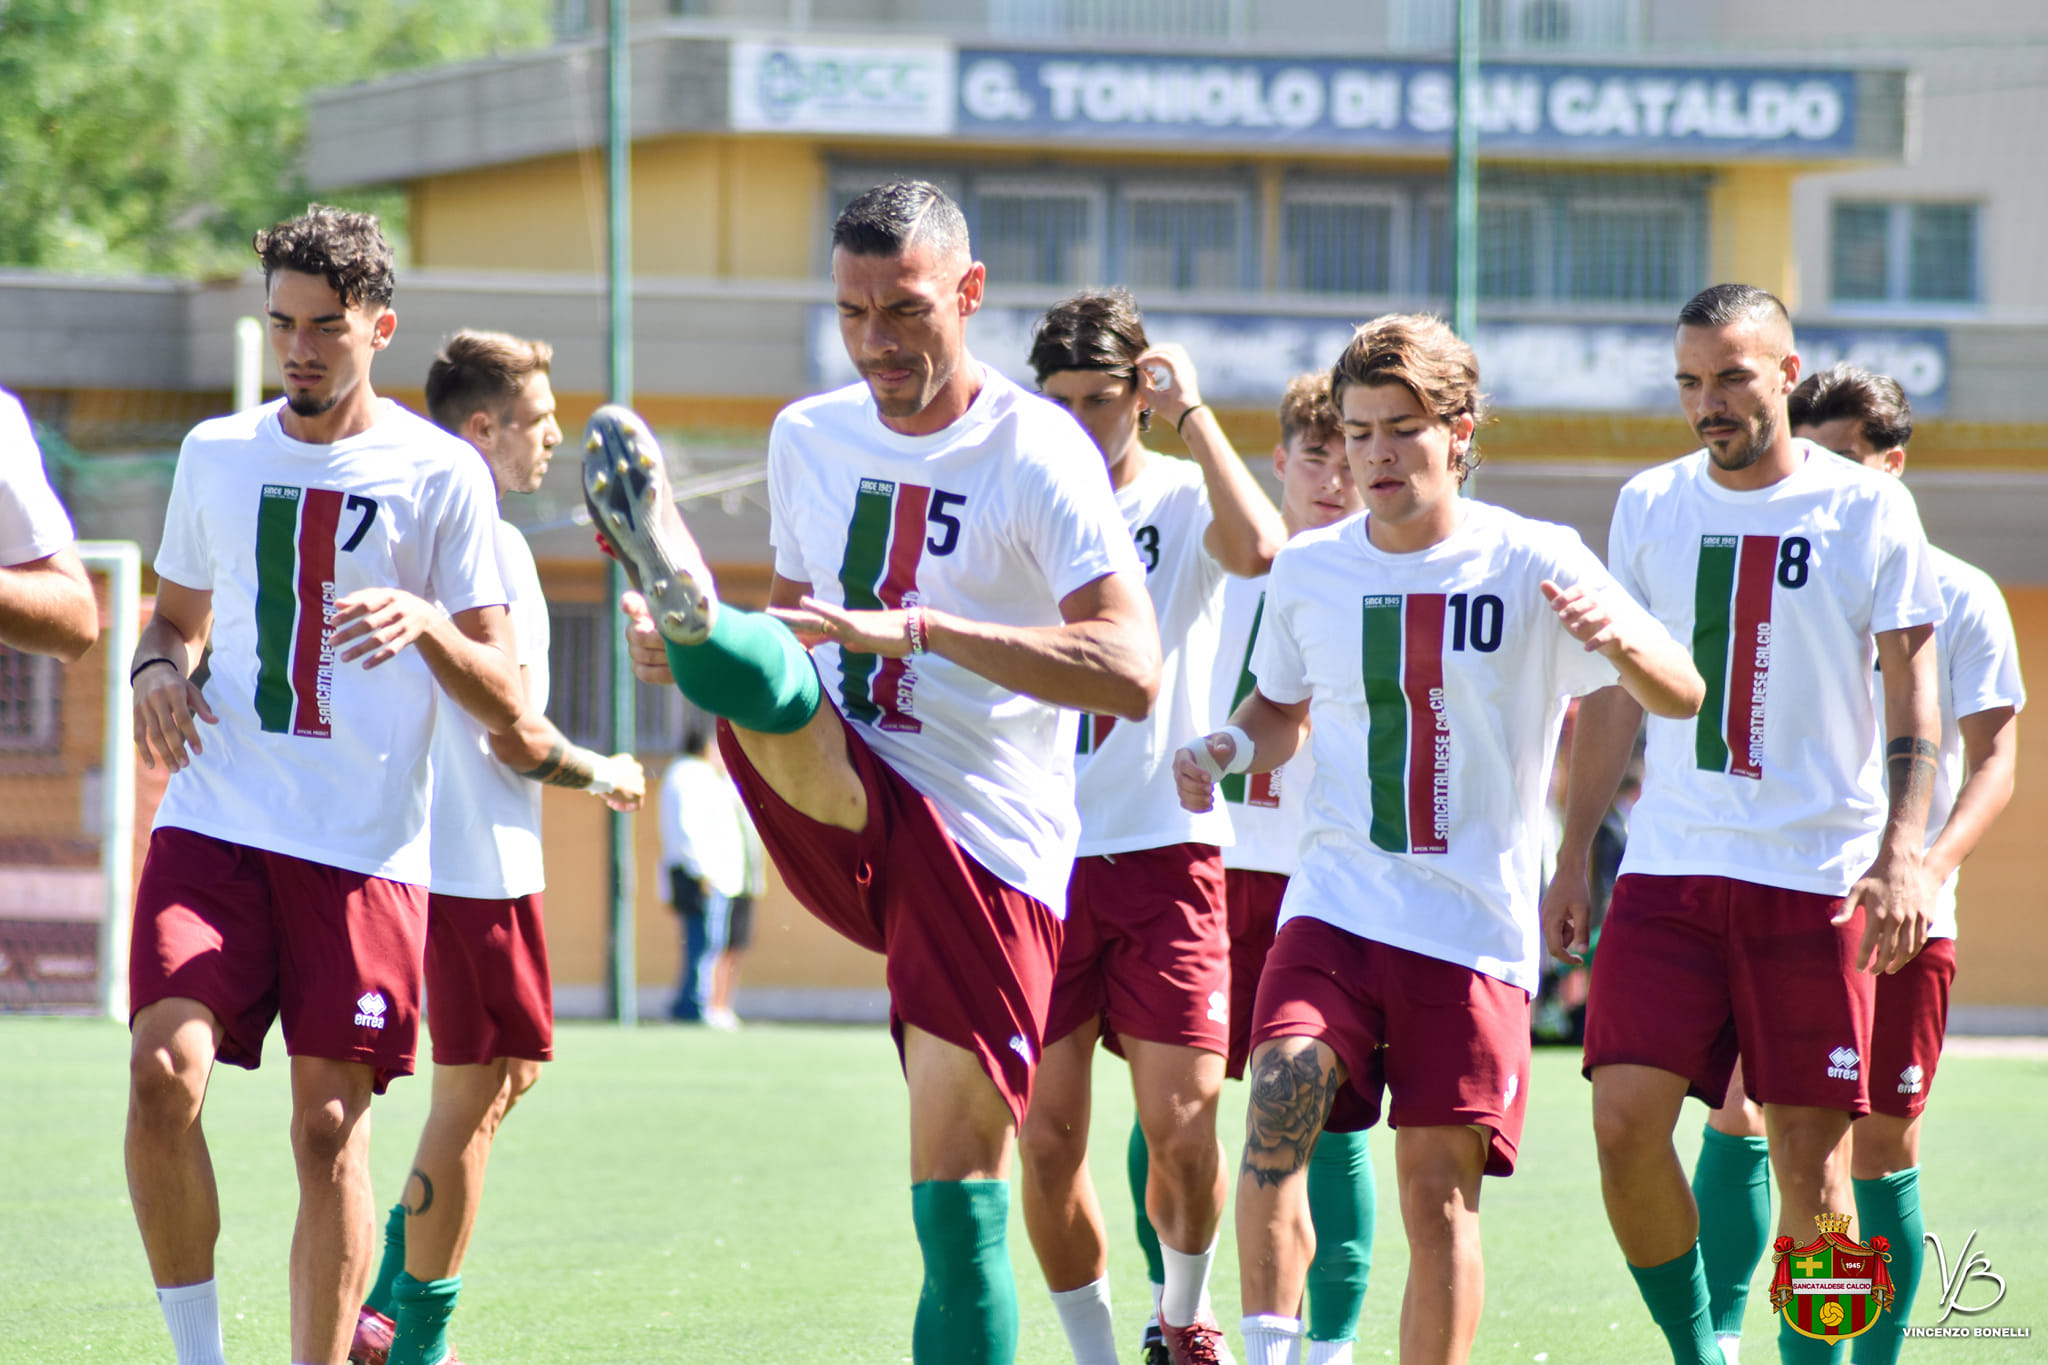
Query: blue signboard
{"x":1246,"y":359}
{"x":1686,"y":112}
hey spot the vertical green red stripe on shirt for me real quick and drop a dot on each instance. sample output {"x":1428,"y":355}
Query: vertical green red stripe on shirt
{"x":1250,"y":789}
{"x":295,"y":597}
{"x":1408,"y":736}
{"x":1731,"y":647}
{"x":884,"y":544}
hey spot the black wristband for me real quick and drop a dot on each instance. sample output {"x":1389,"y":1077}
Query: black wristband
{"x":136,"y":671}
{"x":1186,"y":413}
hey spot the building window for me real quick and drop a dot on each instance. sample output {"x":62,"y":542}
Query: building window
{"x":1905,"y":253}
{"x":1627,"y":251}
{"x":1030,"y":233}
{"x":1513,"y":263}
{"x":1333,"y":242}
{"x":1184,"y":239}
{"x":580,"y":683}
{"x":31,"y":688}
{"x":1518,"y":25}
{"x":1182,"y":20}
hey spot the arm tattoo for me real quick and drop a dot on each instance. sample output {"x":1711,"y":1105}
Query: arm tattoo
{"x":426,"y":1194}
{"x":1291,"y":1096}
{"x":565,"y":766}
{"x":1909,"y":770}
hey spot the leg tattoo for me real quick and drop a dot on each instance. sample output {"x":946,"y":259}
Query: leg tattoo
{"x":426,"y":1196}
{"x":1291,"y":1096}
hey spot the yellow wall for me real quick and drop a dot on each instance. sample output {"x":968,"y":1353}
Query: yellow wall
{"x":1749,"y":213}
{"x":702,"y":206}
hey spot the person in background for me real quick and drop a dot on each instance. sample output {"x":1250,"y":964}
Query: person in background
{"x":703,"y":854}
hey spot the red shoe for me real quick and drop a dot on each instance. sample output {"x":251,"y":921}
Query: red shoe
{"x":372,"y":1341}
{"x":1198,"y":1343}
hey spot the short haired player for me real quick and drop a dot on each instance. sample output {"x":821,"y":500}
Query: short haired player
{"x":1768,"y":872}
{"x":1434,"y":642}
{"x":1865,"y":417}
{"x":1145,"y":962}
{"x":948,"y":544}
{"x":308,"y":542}
{"x":490,"y":1005}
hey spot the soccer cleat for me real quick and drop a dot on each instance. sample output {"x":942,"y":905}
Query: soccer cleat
{"x":1152,"y":1347}
{"x":372,"y":1341}
{"x":625,"y":486}
{"x":1198,"y":1343}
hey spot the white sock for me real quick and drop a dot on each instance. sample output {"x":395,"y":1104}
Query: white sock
{"x":1270,"y":1339}
{"x":1084,"y":1313}
{"x":1329,"y":1352}
{"x":1187,"y":1284}
{"x":192,"y":1312}
{"x":1731,"y":1346}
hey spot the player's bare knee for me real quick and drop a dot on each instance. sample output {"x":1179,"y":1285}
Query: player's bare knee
{"x":1052,"y":1145}
{"x":1188,"y":1153}
{"x":521,"y":1075}
{"x":163,"y":1094}
{"x":321,"y":1133}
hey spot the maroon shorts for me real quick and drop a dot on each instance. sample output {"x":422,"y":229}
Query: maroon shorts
{"x":1254,"y":900}
{"x":256,"y":936}
{"x":1695,"y":971}
{"x":1912,"y":1018}
{"x":488,"y":992}
{"x":1147,"y":951}
{"x":969,"y":957}
{"x":1451,"y":1044}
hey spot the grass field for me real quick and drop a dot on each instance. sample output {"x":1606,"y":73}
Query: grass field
{"x":683,"y":1196}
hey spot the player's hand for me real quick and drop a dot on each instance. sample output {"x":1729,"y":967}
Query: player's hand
{"x":1584,"y":617}
{"x":644,"y":645}
{"x":1568,"y":914}
{"x":379,"y":623}
{"x":167,"y":706}
{"x":1895,"y":898}
{"x":1166,"y":375}
{"x":628,"y":779}
{"x":1197,"y":790}
{"x":886,"y":633}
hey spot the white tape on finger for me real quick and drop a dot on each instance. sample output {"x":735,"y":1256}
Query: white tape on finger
{"x":1240,"y":754}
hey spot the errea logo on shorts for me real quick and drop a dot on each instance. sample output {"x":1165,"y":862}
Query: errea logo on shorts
{"x":1843,"y":1064}
{"x":370,"y":1010}
{"x":1219,"y":1007}
{"x":1021,"y":1047}
{"x":1911,"y":1079}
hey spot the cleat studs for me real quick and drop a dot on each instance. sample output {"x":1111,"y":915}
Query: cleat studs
{"x":660,"y":586}
{"x":600,"y":481}
{"x":646,"y":461}
{"x":618,"y":520}
{"x":675,"y":619}
{"x":596,"y":442}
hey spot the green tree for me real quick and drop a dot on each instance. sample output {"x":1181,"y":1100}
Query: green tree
{"x":157,"y":135}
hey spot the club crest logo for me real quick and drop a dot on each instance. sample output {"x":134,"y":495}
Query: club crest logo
{"x":370,"y":1010}
{"x":1834,"y":1288}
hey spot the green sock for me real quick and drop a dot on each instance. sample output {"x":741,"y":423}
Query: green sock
{"x":750,"y":670}
{"x":423,"y":1311}
{"x":1732,"y":1185}
{"x":967,"y":1311}
{"x":391,"y":1267}
{"x":1889,"y":1207}
{"x":1340,"y":1203}
{"x":1796,"y":1348}
{"x":1676,"y":1294}
{"x":1138,"y":1162}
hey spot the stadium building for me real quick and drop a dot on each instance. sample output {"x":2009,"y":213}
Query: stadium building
{"x":1263,"y":174}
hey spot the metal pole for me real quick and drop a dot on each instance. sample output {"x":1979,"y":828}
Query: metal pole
{"x":1465,"y":178}
{"x":624,"y":978}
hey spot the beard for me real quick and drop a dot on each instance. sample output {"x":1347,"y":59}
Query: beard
{"x":928,"y":384}
{"x":1748,"y":446}
{"x":306,"y":405}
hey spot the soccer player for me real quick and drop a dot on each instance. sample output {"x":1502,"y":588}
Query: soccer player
{"x":1766,"y":875}
{"x":46,"y":601}
{"x":1434,"y":642}
{"x":308,"y":541}
{"x":1865,"y":417}
{"x":949,"y":543}
{"x":1145,"y":963}
{"x":491,"y":1012}
{"x":1267,"y":815}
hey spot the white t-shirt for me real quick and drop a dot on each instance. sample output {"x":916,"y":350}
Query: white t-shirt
{"x":703,"y":826}
{"x":1437,"y":682}
{"x":997,"y":518}
{"x":33,"y":524}
{"x":1780,"y":778}
{"x":1123,"y":769}
{"x":1267,"y":810}
{"x":1979,"y":661}
{"x":315,"y":758}
{"x":486,"y":818}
